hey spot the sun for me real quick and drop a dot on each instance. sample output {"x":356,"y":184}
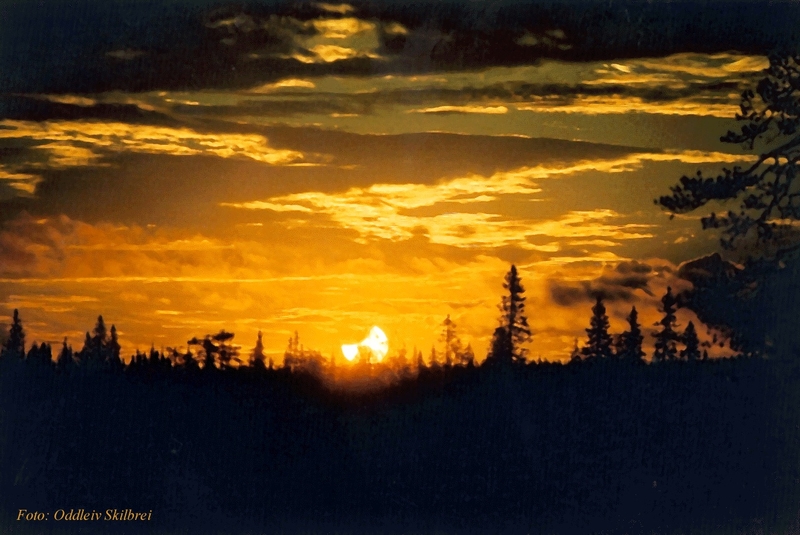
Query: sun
{"x":376,"y":344}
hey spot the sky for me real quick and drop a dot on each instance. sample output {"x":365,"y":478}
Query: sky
{"x":187,"y":167}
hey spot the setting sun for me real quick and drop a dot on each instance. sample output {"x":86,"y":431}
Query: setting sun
{"x":376,"y":344}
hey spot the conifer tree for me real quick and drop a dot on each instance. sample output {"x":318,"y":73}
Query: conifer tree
{"x":188,"y":361}
{"x":15,"y":345}
{"x":257,"y":357}
{"x":86,"y":350}
{"x":665,"y":347}
{"x":575,"y":354}
{"x":45,"y":354}
{"x":467,"y":357}
{"x":33,"y":353}
{"x":599,"y":343}
{"x":691,"y":342}
{"x":452,"y":345}
{"x":513,"y":332}
{"x":630,"y":341}
{"x":113,"y":350}
{"x":100,"y":332}
{"x":95,"y":347}
{"x":434,"y":359}
{"x":64,"y":361}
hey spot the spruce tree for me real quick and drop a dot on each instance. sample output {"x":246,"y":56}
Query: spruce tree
{"x":113,"y":350}
{"x":665,"y":347}
{"x":257,"y":357}
{"x":691,"y":342}
{"x":599,"y":343}
{"x":630,"y":346}
{"x":575,"y":354}
{"x":64,"y":361}
{"x":100,"y":333}
{"x":15,"y":345}
{"x":467,"y":357}
{"x":434,"y":359}
{"x":513,"y":332}
{"x":452,"y":345}
{"x":420,"y":362}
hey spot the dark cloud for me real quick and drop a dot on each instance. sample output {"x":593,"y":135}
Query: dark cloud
{"x":633,"y":267}
{"x":90,"y":47}
{"x":617,"y":283}
{"x":363,"y":103}
{"x":26,"y":108}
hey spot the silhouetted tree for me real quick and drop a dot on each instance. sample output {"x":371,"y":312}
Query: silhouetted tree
{"x":575,"y":355}
{"x":208,"y":351}
{"x":297,"y":358}
{"x":435,"y":365}
{"x":292,"y":355}
{"x":691,"y":342}
{"x":39,"y":355}
{"x":599,"y":342}
{"x":95,"y":348}
{"x":257,"y":357}
{"x":15,"y":345}
{"x":467,"y":356}
{"x":452,"y":345}
{"x":64,"y":361}
{"x":665,"y":347}
{"x":228,"y":353}
{"x":100,"y":333}
{"x":766,"y":191}
{"x":113,"y":350}
{"x":513,"y":332}
{"x":630,"y":341}
{"x":419,"y":360}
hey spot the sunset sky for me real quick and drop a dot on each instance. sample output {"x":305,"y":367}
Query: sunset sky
{"x":186,"y":167}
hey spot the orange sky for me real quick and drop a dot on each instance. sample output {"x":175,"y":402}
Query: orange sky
{"x":328,"y":203}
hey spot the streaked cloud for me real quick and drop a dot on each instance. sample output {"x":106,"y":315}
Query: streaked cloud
{"x":464,"y":109}
{"x":342,"y":9}
{"x":83,"y":143}
{"x":288,"y":83}
{"x":391,"y":211}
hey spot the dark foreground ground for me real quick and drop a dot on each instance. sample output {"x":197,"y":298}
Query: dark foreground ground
{"x":707,"y":447}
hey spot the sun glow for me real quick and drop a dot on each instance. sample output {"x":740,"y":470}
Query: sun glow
{"x":375,"y":346}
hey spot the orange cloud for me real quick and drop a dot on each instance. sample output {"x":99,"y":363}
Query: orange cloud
{"x":79,"y":143}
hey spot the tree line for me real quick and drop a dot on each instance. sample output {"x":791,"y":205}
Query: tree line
{"x":101,"y":347}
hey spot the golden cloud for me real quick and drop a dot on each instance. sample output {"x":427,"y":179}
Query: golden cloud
{"x":72,"y":143}
{"x":342,"y":9}
{"x":342,"y":28}
{"x":594,"y":105}
{"x":492,"y":110}
{"x":288,"y":83}
{"x":385,"y":211}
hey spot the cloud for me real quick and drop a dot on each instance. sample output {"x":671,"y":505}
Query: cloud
{"x":24,"y":183}
{"x":287,"y":83}
{"x":70,"y":144}
{"x":463,"y":109}
{"x":550,"y":39}
{"x":448,"y":212}
{"x":342,"y":9}
{"x":244,"y":46}
{"x":626,"y":281}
